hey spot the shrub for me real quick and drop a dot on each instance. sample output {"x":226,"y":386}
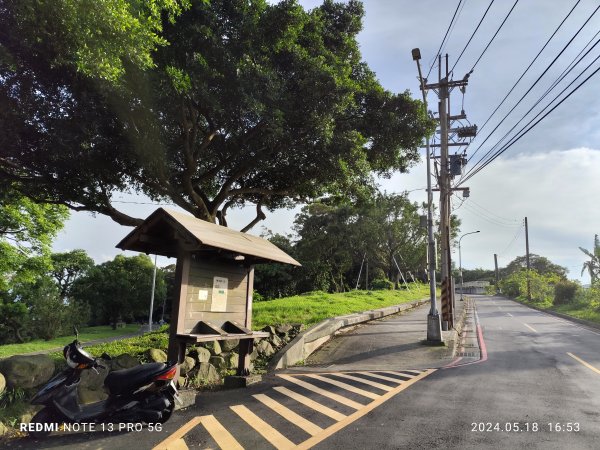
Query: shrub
{"x":564,"y":292}
{"x":381,"y":284}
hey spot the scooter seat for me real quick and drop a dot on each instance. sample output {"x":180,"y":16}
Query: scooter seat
{"x":127,"y":380}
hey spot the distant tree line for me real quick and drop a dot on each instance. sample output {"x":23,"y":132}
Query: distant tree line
{"x":379,"y":237}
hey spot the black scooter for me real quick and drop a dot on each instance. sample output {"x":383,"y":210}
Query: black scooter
{"x":143,"y":394}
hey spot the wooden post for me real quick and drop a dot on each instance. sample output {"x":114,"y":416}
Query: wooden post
{"x":246,"y":347}
{"x":249,"y":290}
{"x":182,"y":272}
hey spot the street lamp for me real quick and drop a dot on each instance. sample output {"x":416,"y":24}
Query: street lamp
{"x":460,"y":263}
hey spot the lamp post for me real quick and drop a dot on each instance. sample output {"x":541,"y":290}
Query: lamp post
{"x":460,"y":263}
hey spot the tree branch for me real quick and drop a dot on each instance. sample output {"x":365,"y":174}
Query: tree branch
{"x":260,"y":215}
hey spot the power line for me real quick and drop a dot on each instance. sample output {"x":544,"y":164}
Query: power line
{"x":513,"y":240}
{"x":528,"y":91}
{"x":457,"y":12}
{"x":495,"y":34}
{"x":516,"y":139}
{"x":523,"y":74}
{"x":500,"y":218}
{"x":472,"y":35}
{"x":550,"y":89}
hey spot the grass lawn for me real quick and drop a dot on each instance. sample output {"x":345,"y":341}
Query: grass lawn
{"x":85,"y":334}
{"x":314,"y":307}
{"x":579,"y":310}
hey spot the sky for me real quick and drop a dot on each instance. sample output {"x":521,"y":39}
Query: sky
{"x":549,"y":176}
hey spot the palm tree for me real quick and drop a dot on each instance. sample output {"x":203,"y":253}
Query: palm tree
{"x":593,"y":265}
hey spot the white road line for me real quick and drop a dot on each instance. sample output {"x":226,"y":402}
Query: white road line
{"x":531,"y":328}
{"x":509,"y":314}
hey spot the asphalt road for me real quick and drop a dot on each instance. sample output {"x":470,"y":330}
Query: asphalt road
{"x":530,"y":381}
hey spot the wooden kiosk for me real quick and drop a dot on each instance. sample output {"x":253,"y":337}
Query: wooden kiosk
{"x":213,"y":278}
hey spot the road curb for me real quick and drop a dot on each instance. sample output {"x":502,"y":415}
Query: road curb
{"x":310,"y":340}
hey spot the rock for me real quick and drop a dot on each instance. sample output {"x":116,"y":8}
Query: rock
{"x":124,"y":361}
{"x":208,"y":373}
{"x":264,"y":348}
{"x":27,"y":372}
{"x":28,"y":414}
{"x":254,"y":354}
{"x":202,"y":354}
{"x":229,"y":345}
{"x":213,"y":347}
{"x":231,"y":360}
{"x":2,"y":383}
{"x":181,"y":381}
{"x":187,"y":365}
{"x":283,"y":328}
{"x":218,"y":362}
{"x":156,"y":355}
{"x":3,"y":429}
{"x":270,"y":329}
{"x":275,"y":341}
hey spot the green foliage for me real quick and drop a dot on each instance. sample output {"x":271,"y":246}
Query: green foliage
{"x":276,"y":280}
{"x":250,"y":102}
{"x":382,"y":284}
{"x":542,"y":286}
{"x":11,"y":396}
{"x":67,"y":267}
{"x":593,"y":265}
{"x":334,"y":237}
{"x":540,"y":264}
{"x":98,"y":38}
{"x":120,"y":289}
{"x":26,"y":230}
{"x":565,"y":292}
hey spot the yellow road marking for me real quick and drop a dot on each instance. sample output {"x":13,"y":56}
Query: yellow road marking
{"x":221,"y":436}
{"x":288,"y":414}
{"x":169,"y":442}
{"x":323,"y":392}
{"x":345,"y":386}
{"x":531,"y":328}
{"x":358,"y":414}
{"x":383,"y":377}
{"x":588,"y":365}
{"x":383,"y":387}
{"x":311,"y":403}
{"x":274,"y":437}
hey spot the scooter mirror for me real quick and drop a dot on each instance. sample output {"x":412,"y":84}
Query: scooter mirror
{"x":76,"y":333}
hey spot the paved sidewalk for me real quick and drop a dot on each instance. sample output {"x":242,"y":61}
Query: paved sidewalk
{"x":394,"y":342}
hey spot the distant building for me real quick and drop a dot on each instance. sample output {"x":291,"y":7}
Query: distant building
{"x":472,"y":287}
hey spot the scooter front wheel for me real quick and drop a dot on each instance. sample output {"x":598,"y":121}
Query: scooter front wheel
{"x":43,"y":423}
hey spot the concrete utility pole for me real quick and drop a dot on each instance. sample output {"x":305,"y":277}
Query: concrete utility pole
{"x":527,"y":259}
{"x":497,"y":274}
{"x":443,"y":88}
{"x":434,"y":328}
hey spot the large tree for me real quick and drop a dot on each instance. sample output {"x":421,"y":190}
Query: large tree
{"x":249,"y":103}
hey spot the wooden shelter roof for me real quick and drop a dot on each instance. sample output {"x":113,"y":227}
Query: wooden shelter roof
{"x":164,"y":231}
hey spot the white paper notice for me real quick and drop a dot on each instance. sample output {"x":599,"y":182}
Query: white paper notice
{"x":219,"y":295}
{"x":202,"y":295}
